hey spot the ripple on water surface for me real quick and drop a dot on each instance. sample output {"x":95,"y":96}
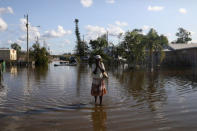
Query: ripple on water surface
{"x":135,"y":100}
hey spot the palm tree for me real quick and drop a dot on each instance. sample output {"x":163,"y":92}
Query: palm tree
{"x":154,"y":43}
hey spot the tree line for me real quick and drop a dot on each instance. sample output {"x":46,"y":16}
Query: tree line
{"x":37,"y":53}
{"x":135,"y":46}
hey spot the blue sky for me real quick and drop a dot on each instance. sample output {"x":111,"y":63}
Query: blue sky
{"x":57,"y":27}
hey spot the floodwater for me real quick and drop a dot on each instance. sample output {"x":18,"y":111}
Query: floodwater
{"x":58,"y":99}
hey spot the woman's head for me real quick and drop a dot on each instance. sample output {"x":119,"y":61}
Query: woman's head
{"x":97,"y":61}
{"x":98,"y":58}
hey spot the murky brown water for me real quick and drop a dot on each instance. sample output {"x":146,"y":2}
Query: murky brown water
{"x":58,"y":99}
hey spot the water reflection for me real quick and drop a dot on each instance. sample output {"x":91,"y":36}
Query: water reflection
{"x":40,"y":72}
{"x":193,"y":75}
{"x":83,"y":81}
{"x":78,"y":81}
{"x":3,"y":91}
{"x":155,"y":91}
{"x":135,"y":98}
{"x":28,"y":88}
{"x":1,"y":79}
{"x":145,"y":87}
{"x":99,"y":117}
{"x":13,"y":70}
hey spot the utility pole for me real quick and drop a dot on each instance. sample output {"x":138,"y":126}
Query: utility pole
{"x":27,"y":26}
{"x":83,"y":46}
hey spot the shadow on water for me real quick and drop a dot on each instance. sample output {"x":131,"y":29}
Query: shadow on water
{"x":99,"y":117}
{"x":46,"y":110}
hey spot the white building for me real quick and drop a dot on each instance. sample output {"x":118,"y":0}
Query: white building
{"x":8,"y":54}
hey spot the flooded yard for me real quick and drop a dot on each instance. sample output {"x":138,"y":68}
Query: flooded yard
{"x":59,"y":99}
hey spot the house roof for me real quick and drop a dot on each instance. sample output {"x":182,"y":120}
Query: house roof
{"x":4,"y":49}
{"x":178,"y":46}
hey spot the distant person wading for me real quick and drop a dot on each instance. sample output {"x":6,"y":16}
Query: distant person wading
{"x":99,"y":74}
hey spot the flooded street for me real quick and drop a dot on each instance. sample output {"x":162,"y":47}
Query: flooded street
{"x":59,"y":99}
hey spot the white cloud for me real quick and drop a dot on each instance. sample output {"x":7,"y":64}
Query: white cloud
{"x":114,"y":30}
{"x":192,"y":32}
{"x":155,"y":8}
{"x":19,"y":42}
{"x":10,"y":42}
{"x":94,"y":31}
{"x":55,"y":34}
{"x":22,"y":24}
{"x":182,"y":10}
{"x":6,"y":10}
{"x":23,"y":38}
{"x":169,"y":34}
{"x":67,"y":41}
{"x":121,"y":23}
{"x":86,"y":3}
{"x":146,"y":27}
{"x":110,"y":1}
{"x":33,"y":31}
{"x":3,"y":25}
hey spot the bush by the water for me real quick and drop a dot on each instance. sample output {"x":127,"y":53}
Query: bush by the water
{"x":40,"y":55}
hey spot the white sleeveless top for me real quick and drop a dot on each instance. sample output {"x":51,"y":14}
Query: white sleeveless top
{"x":99,"y":73}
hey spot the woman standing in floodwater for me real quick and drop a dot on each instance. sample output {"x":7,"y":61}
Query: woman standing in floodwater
{"x":98,"y":85}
